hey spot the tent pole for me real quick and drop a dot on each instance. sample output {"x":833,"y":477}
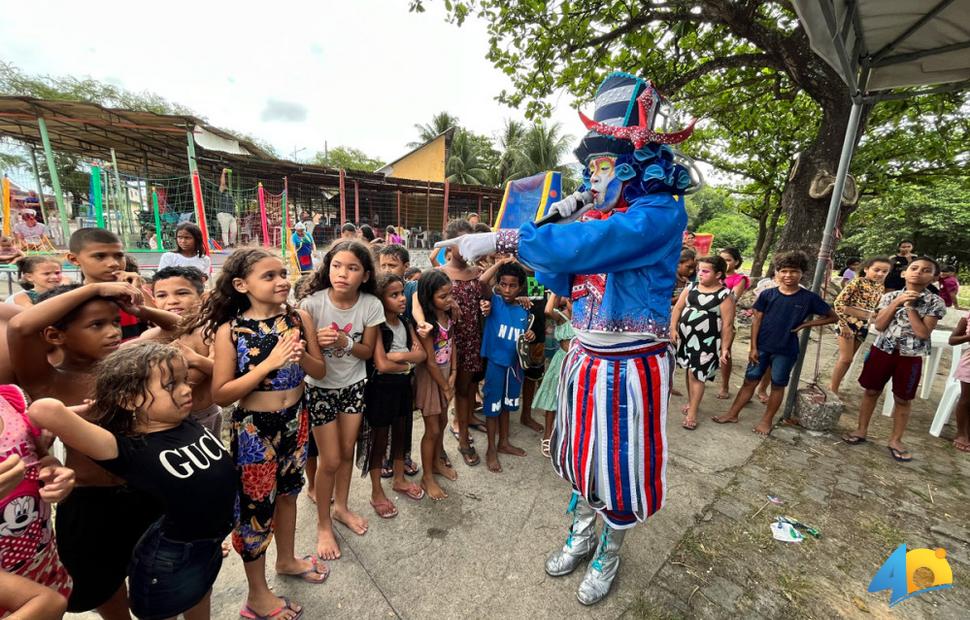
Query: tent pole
{"x":822,"y":269}
{"x":55,"y":182}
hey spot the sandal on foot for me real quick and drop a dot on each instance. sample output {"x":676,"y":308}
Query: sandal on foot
{"x":546,"y":450}
{"x":471,"y":457}
{"x":316,"y":574}
{"x":961,"y":447}
{"x":413,"y":491}
{"x":901,"y":456}
{"x":689,"y":424}
{"x":250,"y":614}
{"x":386,"y":470}
{"x":384,"y":509}
{"x":454,"y":434}
{"x":447,"y":461}
{"x":410,"y":469}
{"x":853,"y":440}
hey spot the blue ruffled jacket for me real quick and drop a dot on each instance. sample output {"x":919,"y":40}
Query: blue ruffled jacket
{"x":637,"y":251}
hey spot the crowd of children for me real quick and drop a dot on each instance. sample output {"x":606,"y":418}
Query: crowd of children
{"x":132,"y":376}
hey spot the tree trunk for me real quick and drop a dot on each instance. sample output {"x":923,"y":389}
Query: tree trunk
{"x":806,"y":215}
{"x":769,"y":239}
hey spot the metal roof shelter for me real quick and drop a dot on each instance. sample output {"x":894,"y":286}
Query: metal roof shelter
{"x":882,"y":49}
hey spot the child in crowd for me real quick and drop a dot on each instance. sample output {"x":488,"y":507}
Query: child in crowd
{"x":37,"y":275}
{"x":98,"y":525}
{"x":506,"y":323}
{"x":686,"y":270}
{"x":856,"y":305}
{"x":263,"y":350}
{"x":702,"y":328}
{"x":559,"y":311}
{"x":534,"y":361}
{"x":101,"y":258}
{"x":303,"y":245}
{"x":142,"y":401}
{"x":905,"y":320}
{"x":467,"y":294}
{"x":737,"y":283}
{"x":765,"y":283}
{"x":189,"y":250}
{"x":779,"y":314}
{"x":961,"y":336}
{"x":411,"y":274}
{"x":9,"y":252}
{"x":949,"y":286}
{"x":7,"y":312}
{"x":388,"y":397}
{"x":341,"y":300}
{"x":395,"y":259}
{"x":27,"y":544}
{"x":348,"y":232}
{"x":434,"y":379}
{"x":851,"y":270}
{"x":179,"y":290}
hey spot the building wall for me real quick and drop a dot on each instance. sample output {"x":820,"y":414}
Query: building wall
{"x":425,"y":164}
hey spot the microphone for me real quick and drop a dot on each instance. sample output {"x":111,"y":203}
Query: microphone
{"x":555,"y":216}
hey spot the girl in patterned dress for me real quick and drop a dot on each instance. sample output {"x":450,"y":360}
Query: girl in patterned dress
{"x":702,"y":328}
{"x":855,"y":306}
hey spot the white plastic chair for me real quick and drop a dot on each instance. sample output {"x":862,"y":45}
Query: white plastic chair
{"x":951,"y":394}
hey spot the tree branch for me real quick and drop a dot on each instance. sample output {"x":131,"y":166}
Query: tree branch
{"x":723,"y":62}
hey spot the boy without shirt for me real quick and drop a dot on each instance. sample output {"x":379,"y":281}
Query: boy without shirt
{"x":98,"y":525}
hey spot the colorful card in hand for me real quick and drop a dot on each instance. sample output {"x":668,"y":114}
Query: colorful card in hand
{"x":528,"y":199}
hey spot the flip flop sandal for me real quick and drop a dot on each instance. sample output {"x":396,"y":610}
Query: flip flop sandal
{"x":478,"y":427}
{"x":386,"y":470}
{"x":961,"y":447}
{"x":853,"y":440}
{"x":901,"y":456}
{"x":385,"y":509}
{"x":410,"y":469}
{"x":544,"y":445}
{"x":312,"y":574}
{"x":471,"y":457}
{"x":447,"y":461}
{"x":250,"y":614}
{"x":454,"y":434}
{"x":412,"y":492}
{"x":690,"y":425}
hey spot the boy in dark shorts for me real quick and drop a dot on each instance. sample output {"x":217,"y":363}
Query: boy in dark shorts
{"x":98,"y":525}
{"x":779,"y":314}
{"x":906,"y":319}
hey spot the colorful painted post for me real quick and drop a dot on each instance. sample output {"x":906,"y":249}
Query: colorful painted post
{"x":96,"y":197}
{"x":158,"y":221}
{"x":261,"y":194}
{"x":5,"y":197}
{"x":444,"y":219}
{"x":122,"y":198}
{"x":200,"y":210}
{"x":40,"y":185}
{"x":343,"y":200}
{"x":356,"y":203}
{"x":55,"y":182}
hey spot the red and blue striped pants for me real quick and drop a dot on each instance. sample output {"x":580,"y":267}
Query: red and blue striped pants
{"x":609,"y":440}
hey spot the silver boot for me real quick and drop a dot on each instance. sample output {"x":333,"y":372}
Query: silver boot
{"x":581,"y":540}
{"x":602,"y":570}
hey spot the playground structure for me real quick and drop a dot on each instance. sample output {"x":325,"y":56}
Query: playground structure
{"x":145,"y":173}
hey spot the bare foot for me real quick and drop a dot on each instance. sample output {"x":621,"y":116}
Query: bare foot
{"x":675,"y":392}
{"x":327,"y":547}
{"x":723,"y":395}
{"x":530,"y":423}
{"x":434,"y":491}
{"x":763,"y":429}
{"x":305,"y":568}
{"x":353,"y":521}
{"x":262,"y":606}
{"x":725,"y":419}
{"x":507,"y":448}
{"x":491,"y":460}
{"x":226,"y":546}
{"x":443,"y":468}
{"x":684,"y":409}
{"x":690,"y":423}
{"x":762,"y":397}
{"x":312,"y":494}
{"x":961,"y":444}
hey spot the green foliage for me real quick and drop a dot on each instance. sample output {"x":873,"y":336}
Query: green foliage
{"x":463,"y":165}
{"x":348,"y":158}
{"x":732,"y":229}
{"x":440,"y":123}
{"x":935,"y":217}
{"x":708,"y":203}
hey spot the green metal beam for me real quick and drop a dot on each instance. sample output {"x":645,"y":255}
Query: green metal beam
{"x":55,"y":182}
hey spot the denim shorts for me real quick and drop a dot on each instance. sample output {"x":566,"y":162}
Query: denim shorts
{"x":779,"y":364}
{"x":167,"y":577}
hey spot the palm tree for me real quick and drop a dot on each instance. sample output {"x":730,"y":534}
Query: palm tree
{"x":542,"y":148}
{"x":463,"y":164}
{"x":510,"y":143}
{"x":440,"y":122}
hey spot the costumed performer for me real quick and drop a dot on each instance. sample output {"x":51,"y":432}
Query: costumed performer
{"x":616,"y":256}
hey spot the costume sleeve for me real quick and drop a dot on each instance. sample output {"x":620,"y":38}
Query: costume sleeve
{"x":631,"y":240}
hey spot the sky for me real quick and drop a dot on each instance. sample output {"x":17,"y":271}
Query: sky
{"x":295,"y":74}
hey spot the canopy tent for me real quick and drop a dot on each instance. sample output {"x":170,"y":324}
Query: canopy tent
{"x":877,"y":47}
